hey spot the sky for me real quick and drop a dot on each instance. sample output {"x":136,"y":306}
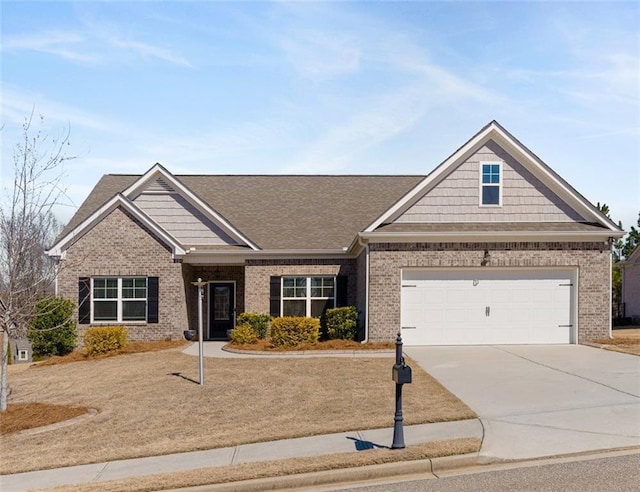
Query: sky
{"x":325,"y":88}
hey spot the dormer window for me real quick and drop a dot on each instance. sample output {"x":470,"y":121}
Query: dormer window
{"x":490,"y":184}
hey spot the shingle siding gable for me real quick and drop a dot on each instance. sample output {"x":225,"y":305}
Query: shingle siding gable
{"x":182,"y":220}
{"x":456,"y":198}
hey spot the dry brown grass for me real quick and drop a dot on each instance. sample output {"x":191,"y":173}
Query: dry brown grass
{"x":624,"y":340}
{"x":23,"y":416}
{"x":131,"y":348}
{"x":149,"y":404}
{"x":265,"y":345}
{"x":252,"y":471}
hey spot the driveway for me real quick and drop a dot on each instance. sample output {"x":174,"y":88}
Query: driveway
{"x":536,"y":400}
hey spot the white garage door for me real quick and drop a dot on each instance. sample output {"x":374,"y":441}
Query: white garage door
{"x":475,"y":307}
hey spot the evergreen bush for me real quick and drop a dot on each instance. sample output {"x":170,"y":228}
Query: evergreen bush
{"x":105,"y":339}
{"x":52,"y":330}
{"x":259,"y":323}
{"x":290,"y":331}
{"x":244,"y":333}
{"x":341,"y":323}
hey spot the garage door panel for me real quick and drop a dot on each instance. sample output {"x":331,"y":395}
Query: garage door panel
{"x":462,"y":307}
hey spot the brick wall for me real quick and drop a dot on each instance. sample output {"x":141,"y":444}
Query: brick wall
{"x":591,"y":259}
{"x":120,"y":246}
{"x":258,"y":272}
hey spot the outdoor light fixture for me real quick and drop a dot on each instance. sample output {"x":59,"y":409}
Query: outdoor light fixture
{"x":486,"y":259}
{"x":200,"y":284}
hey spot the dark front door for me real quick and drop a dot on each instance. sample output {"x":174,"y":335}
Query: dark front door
{"x":221,"y":308}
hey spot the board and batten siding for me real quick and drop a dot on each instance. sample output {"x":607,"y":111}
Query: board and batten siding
{"x":182,"y":220}
{"x":456,"y":197}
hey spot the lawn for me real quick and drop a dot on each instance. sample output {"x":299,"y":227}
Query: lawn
{"x":625,"y":340}
{"x":149,"y":404}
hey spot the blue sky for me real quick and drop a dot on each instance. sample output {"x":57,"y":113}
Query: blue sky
{"x":329,"y":88}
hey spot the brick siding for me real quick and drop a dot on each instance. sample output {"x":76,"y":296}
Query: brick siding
{"x":120,"y":246}
{"x":258,"y":272}
{"x":591,"y":259}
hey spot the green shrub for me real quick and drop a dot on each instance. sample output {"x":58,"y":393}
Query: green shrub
{"x":341,"y":323}
{"x":290,"y":331}
{"x":52,"y":330}
{"x":105,"y":339}
{"x":244,"y":333}
{"x":259,"y":323}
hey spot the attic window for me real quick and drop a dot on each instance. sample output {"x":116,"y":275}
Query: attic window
{"x":490,"y":184}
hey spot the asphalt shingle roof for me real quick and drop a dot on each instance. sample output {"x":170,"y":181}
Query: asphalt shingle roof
{"x":280,"y":212}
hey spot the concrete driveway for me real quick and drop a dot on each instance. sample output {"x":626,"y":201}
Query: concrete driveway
{"x":536,"y":401}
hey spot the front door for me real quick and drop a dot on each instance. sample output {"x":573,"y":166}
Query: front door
{"x":222,"y":309}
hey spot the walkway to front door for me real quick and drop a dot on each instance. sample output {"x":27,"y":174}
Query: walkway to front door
{"x":221,"y":309}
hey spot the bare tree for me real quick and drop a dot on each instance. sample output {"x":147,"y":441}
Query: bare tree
{"x":27,"y":226}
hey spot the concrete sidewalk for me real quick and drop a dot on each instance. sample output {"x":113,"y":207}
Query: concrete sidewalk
{"x":246,"y":453}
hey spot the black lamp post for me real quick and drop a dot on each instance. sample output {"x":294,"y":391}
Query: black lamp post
{"x":401,"y":375}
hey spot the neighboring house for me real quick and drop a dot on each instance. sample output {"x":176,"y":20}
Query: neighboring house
{"x":630,"y":268}
{"x":492,"y":247}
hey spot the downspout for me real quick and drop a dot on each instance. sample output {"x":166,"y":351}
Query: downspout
{"x":610,"y":288}
{"x":366,"y":290}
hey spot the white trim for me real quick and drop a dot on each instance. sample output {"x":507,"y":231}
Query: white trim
{"x":119,"y":300}
{"x":119,"y":200}
{"x":23,"y":354}
{"x":481,"y":184}
{"x":488,"y":236}
{"x":308,"y":297}
{"x":493,"y":131}
{"x":136,"y":187}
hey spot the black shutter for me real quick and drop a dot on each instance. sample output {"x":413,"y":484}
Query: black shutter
{"x":341,"y":290}
{"x":152,"y":299}
{"x":84,"y":300}
{"x":274,"y":296}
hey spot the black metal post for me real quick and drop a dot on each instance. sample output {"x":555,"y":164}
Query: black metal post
{"x":398,"y":431}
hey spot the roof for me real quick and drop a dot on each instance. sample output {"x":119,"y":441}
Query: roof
{"x":279,"y":211}
{"x":324,"y":213}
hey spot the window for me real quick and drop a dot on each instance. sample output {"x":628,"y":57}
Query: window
{"x":23,"y":354}
{"x":490,"y":182}
{"x":119,"y":299}
{"x":307,"y":296}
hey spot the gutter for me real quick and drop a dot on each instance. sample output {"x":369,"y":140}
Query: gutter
{"x":490,"y":236}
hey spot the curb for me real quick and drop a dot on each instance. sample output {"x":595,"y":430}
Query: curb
{"x":363,"y":353}
{"x":342,"y":475}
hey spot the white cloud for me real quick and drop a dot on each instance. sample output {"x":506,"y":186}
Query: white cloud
{"x":58,"y":43}
{"x":321,"y":55}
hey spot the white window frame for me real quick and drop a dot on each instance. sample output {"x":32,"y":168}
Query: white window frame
{"x":499,"y":184}
{"x":119,"y":300}
{"x":308,"y":298}
{"x":23,"y":354}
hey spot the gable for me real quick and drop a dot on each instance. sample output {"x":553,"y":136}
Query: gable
{"x":537,"y":194}
{"x":181,"y":219}
{"x":456,"y":198}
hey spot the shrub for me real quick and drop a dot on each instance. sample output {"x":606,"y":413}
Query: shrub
{"x":105,"y":339}
{"x":290,"y":331}
{"x":259,"y":323}
{"x":244,"y":333}
{"x":52,"y":330}
{"x":341,"y":323}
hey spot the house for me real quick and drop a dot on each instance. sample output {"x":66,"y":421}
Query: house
{"x":630,"y":268}
{"x":491,"y":247}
